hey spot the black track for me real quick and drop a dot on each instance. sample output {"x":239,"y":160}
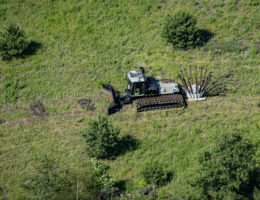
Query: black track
{"x":159,"y":102}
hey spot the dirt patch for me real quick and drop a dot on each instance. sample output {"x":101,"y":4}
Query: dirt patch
{"x":86,"y":104}
{"x":39,"y":109}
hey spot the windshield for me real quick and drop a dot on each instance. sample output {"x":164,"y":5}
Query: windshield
{"x":138,"y":88}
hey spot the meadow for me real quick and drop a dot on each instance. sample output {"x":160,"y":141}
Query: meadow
{"x":84,"y":43}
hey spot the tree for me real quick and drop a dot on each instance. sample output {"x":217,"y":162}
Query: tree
{"x":12,"y":42}
{"x":180,"y":30}
{"x":101,"y":138}
{"x":228,"y":170}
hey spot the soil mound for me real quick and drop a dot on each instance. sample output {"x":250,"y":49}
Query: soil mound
{"x":39,"y":109}
{"x":86,"y":104}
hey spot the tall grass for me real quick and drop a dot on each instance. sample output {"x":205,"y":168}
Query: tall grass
{"x":87,"y":43}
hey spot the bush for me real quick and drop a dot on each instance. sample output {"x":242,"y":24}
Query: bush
{"x":85,"y":184}
{"x":228,"y":171}
{"x":48,"y":181}
{"x":180,"y":30}
{"x":154,"y":174}
{"x":12,"y":42}
{"x":108,"y":191}
{"x":101,"y":138}
{"x":101,"y":174}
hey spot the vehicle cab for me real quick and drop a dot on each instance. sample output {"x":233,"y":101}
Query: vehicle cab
{"x":136,"y":83}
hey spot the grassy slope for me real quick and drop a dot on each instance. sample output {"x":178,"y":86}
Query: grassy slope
{"x":86,"y":43}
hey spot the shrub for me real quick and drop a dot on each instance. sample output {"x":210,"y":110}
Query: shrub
{"x":48,"y":181}
{"x":228,"y":171}
{"x":101,"y":174}
{"x":105,"y":181}
{"x":101,"y":138}
{"x":154,"y":174}
{"x":12,"y":42}
{"x":180,"y":30}
{"x":85,"y":183}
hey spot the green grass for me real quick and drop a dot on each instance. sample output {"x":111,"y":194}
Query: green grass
{"x":87,"y":43}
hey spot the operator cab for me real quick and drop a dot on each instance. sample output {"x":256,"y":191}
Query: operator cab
{"x":136,"y":82}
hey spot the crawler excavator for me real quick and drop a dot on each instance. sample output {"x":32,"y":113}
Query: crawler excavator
{"x":146,"y":93}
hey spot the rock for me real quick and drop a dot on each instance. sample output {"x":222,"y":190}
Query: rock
{"x":146,"y":191}
{"x":111,"y":193}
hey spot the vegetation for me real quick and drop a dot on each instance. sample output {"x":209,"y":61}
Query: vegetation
{"x":107,"y":189}
{"x":228,"y":170}
{"x":101,"y":174}
{"x":87,"y":43}
{"x":180,"y":30}
{"x":48,"y":181}
{"x":224,"y":46}
{"x":13,"y":42}
{"x":101,"y":138}
{"x":154,"y":174}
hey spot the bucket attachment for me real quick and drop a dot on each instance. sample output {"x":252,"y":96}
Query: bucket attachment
{"x":196,"y":90}
{"x":114,"y":97}
{"x":113,"y":109}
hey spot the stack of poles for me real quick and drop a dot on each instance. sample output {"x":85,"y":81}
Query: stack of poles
{"x":200,"y":87}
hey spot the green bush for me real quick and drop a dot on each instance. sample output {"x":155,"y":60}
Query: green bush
{"x":101,"y":138}
{"x":180,"y":30}
{"x":48,"y":181}
{"x":12,"y":42}
{"x":228,"y":170}
{"x":154,"y":174}
{"x":101,"y":173}
{"x":85,"y":184}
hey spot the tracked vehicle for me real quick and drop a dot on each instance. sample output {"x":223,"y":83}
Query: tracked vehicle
{"x":146,"y":93}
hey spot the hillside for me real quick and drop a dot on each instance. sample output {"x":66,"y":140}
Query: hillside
{"x":81,"y":44}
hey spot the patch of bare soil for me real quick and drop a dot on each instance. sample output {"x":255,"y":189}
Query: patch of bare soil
{"x":39,"y":109}
{"x":86,"y":104}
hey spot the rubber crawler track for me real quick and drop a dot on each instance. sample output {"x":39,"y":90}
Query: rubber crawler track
{"x":159,"y":102}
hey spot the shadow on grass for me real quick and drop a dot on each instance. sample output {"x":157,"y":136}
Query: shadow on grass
{"x":169,"y":177}
{"x":32,"y":48}
{"x":121,"y":185}
{"x":127,"y":143}
{"x":204,"y":36}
